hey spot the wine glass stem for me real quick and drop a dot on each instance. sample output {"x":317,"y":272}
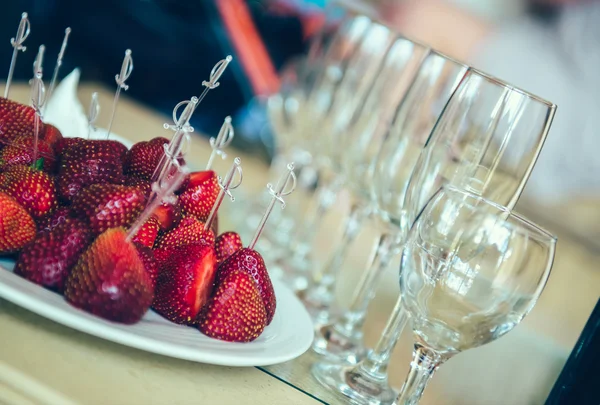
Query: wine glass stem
{"x":377,"y":361}
{"x":422,"y":368}
{"x":352,"y":321}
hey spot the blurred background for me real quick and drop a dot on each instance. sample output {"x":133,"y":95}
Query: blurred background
{"x":548,"y":47}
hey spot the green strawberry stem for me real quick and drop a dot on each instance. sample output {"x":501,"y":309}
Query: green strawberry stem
{"x":38,"y":164}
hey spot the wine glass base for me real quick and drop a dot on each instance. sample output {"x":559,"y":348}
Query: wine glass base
{"x":337,"y":347}
{"x":350,"y":382}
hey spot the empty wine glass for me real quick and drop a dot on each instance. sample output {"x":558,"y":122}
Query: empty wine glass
{"x":471,"y":271}
{"x":469,"y":111}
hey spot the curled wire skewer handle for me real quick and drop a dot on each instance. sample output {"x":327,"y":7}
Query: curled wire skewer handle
{"x":121,"y":78}
{"x":217,"y":72}
{"x":223,"y":139}
{"x":226,"y":187}
{"x":17,"y":43}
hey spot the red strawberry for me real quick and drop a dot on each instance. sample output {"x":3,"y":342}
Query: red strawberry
{"x":15,"y":120}
{"x":106,"y":206}
{"x":236,"y":312}
{"x":33,"y":189}
{"x":150,"y":265}
{"x":117,"y":148}
{"x":185,"y":283}
{"x":227,"y":244}
{"x":143,"y":185}
{"x":86,"y":163}
{"x":57,"y":217}
{"x":168,"y":216}
{"x":200,"y":195}
{"x":250,"y":261}
{"x":16,"y":225}
{"x":20,"y":152}
{"x":143,"y":158}
{"x":61,"y":145}
{"x":190,"y":230}
{"x":110,"y":281}
{"x":51,"y":134}
{"x":148,"y":232}
{"x":48,"y":260}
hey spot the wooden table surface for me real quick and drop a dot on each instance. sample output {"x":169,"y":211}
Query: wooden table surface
{"x":44,"y":362}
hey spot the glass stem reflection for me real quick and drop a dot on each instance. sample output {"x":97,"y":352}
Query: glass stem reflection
{"x":424,"y":364}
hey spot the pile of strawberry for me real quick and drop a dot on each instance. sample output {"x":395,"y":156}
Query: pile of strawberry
{"x":65,"y":218}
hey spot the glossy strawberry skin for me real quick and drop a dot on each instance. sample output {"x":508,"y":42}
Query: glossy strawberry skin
{"x":51,"y":221}
{"x":250,"y":261}
{"x":86,"y":163}
{"x":236,"y":312}
{"x":227,"y":244}
{"x":106,"y":206}
{"x":17,"y":227}
{"x":33,"y":189}
{"x":110,"y":281}
{"x":20,"y":152}
{"x":143,"y":185}
{"x":200,"y":196}
{"x":51,"y":134}
{"x":61,"y":145}
{"x":150,"y":265}
{"x":189,"y":231}
{"x":185,"y":283}
{"x":143,"y":158}
{"x":48,"y":260}
{"x":16,"y":120}
{"x":148,"y":233}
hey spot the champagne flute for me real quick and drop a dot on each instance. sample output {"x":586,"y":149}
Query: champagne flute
{"x":475,"y":121}
{"x":471,"y":271}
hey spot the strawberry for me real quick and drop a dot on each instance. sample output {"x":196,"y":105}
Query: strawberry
{"x":48,"y":260}
{"x":168,"y":215}
{"x":31,"y":188}
{"x":61,"y":145}
{"x":150,"y":265}
{"x":51,"y":134}
{"x":110,"y":281}
{"x":236,"y":312}
{"x":148,"y":232}
{"x":190,"y":230}
{"x":106,"y":206}
{"x":185,"y":283}
{"x":143,"y":185}
{"x":57,"y":217}
{"x":16,"y":225}
{"x":143,"y":158}
{"x":227,"y":244}
{"x":86,"y":163}
{"x":117,"y":148}
{"x":16,"y":119}
{"x":20,"y":152}
{"x":200,"y":195}
{"x":250,"y":261}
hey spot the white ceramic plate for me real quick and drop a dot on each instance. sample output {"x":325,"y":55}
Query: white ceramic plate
{"x":288,"y":336}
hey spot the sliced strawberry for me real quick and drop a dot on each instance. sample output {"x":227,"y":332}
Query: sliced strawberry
{"x":106,"y":206}
{"x":250,"y":261}
{"x":31,"y":188}
{"x":200,"y":196}
{"x":189,"y":231}
{"x":168,"y":215}
{"x":110,"y":281}
{"x":185,"y":283}
{"x":48,"y":260}
{"x":227,"y":244}
{"x":16,"y":225}
{"x":148,"y":233}
{"x":236,"y":312}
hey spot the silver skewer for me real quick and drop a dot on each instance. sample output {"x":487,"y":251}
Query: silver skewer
{"x":222,"y":140}
{"x":93,"y":114}
{"x":126,"y":69}
{"x":59,"y":60}
{"x":226,"y":188}
{"x":17,"y":43}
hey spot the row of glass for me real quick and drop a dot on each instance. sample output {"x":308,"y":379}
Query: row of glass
{"x":437,"y":153}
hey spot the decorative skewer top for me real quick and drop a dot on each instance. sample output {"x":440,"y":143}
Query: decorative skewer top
{"x":226,"y":187}
{"x":38,"y":68}
{"x":22,"y":33}
{"x":63,"y":47}
{"x":218,"y":144}
{"x":217,"y":72}
{"x":126,"y":69}
{"x":38,"y":94}
{"x":181,"y":122}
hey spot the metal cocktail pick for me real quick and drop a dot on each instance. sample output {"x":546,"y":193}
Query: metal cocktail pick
{"x":226,"y":188}
{"x":278,"y":193}
{"x":93,"y":114}
{"x":175,"y":148}
{"x":162,"y":191}
{"x":221,"y":142}
{"x":59,"y":60}
{"x":215,"y":75}
{"x":38,"y":98}
{"x":121,"y":78}
{"x":17,"y":43}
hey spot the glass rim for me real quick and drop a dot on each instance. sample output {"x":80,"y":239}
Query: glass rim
{"x":523,"y":224}
{"x":511,"y":87}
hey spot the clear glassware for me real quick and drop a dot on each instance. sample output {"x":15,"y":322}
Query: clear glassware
{"x":525,"y":116}
{"x":400,"y":138}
